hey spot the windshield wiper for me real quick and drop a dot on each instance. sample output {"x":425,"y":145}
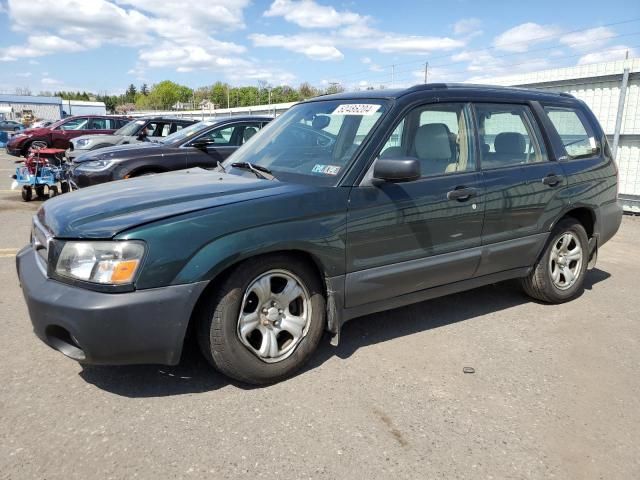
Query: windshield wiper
{"x":258,"y":170}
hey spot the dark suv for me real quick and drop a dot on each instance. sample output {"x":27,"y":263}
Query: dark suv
{"x":343,"y":206}
{"x":203,"y":144}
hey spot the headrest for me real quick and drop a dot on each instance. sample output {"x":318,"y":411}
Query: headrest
{"x":512,"y":143}
{"x":433,"y":142}
{"x":248,"y":133}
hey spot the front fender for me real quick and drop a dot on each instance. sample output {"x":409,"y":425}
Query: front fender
{"x":323,"y":240}
{"x":197,"y":246}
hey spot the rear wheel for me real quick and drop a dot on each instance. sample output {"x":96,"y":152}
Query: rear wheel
{"x":265,"y":320}
{"x":559,"y":274}
{"x":64,"y":187}
{"x":53,"y":191}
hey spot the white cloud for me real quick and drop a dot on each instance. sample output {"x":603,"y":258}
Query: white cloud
{"x":414,"y":44}
{"x":347,"y":30}
{"x":39,"y":46}
{"x":313,"y":46}
{"x":521,"y":37}
{"x":23,"y":74}
{"x":176,"y":34}
{"x":588,"y":39}
{"x":327,"y":47}
{"x":467,"y":26}
{"x":618,"y":52}
{"x":50,"y":81}
{"x":309,"y":14}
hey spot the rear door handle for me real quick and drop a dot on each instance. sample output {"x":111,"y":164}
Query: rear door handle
{"x":462,"y":194}
{"x":552,"y":180}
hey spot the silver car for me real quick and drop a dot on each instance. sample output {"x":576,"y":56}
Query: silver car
{"x":139,"y":130}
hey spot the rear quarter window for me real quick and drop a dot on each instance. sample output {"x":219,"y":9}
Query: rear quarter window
{"x":577,"y":136}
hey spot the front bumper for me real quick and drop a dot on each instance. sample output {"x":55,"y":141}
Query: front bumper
{"x":144,"y":326}
{"x":16,"y":151}
{"x":83,"y":179}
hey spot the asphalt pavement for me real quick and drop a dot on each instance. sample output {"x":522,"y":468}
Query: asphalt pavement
{"x":555,"y":393}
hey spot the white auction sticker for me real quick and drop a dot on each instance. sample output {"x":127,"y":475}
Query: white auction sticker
{"x":356,"y":109}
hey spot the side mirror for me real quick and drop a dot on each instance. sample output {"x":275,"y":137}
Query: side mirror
{"x":396,"y":169}
{"x":202,"y":143}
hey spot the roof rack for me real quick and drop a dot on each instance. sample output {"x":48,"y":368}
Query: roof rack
{"x":565,"y":94}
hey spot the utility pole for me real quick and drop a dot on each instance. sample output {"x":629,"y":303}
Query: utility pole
{"x":228,"y":100}
{"x":426,"y":72}
{"x":393,"y":74}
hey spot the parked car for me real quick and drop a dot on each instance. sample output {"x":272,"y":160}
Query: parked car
{"x":345,"y":205}
{"x":203,"y":144}
{"x":10,"y":126}
{"x":136,"y":131}
{"x":58,"y":134}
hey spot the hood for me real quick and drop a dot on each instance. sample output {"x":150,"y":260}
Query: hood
{"x":36,"y":131}
{"x":130,"y":150}
{"x":105,"y":210}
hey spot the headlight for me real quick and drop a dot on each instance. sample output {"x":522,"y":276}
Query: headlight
{"x":108,"y":263}
{"x":94,"y":165}
{"x":82,"y":143}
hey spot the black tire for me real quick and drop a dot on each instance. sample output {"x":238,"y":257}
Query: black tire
{"x":27,"y":194}
{"x":40,"y":192}
{"x":53,"y":191}
{"x":25,"y":150}
{"x":539,"y":283}
{"x":64,"y":187}
{"x":217,"y":322}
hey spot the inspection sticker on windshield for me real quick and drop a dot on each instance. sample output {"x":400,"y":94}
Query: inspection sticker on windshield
{"x":326,"y":169}
{"x":356,"y":109}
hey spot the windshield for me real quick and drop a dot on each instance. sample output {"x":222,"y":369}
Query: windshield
{"x":312,"y":142}
{"x":188,"y":132}
{"x":131,"y":128}
{"x":58,"y":123}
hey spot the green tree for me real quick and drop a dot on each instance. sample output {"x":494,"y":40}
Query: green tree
{"x":165,"y":94}
{"x":130,"y":94}
{"x":144,"y":89}
{"x":307,"y":91}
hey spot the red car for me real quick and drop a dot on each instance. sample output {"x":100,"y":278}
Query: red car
{"x":58,"y":134}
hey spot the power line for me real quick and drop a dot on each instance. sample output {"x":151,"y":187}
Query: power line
{"x":380,"y":75}
{"x":415,"y":71}
{"x":535,"y":39}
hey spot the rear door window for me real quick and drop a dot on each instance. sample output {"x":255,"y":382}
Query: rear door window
{"x":577,"y":137}
{"x":508,"y":136}
{"x":99,"y":124}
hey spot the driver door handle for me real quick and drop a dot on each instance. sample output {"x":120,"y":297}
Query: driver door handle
{"x":552,"y":180}
{"x":462,"y":194}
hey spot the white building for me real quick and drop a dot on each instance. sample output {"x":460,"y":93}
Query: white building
{"x":19,"y":107}
{"x":612,"y":91}
{"x":82,"y":107}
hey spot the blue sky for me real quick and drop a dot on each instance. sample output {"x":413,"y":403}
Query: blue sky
{"x":103,"y":45}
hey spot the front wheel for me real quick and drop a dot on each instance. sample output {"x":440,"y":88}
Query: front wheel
{"x":559,"y":274}
{"x":27,"y":194}
{"x":265,"y":321}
